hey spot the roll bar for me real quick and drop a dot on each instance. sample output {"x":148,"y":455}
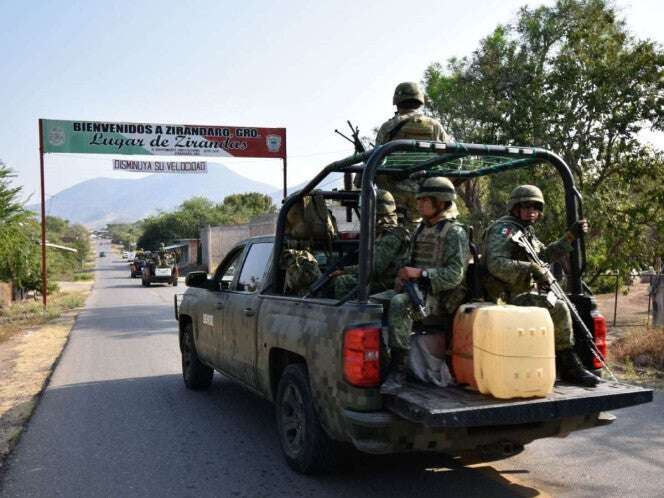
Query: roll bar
{"x":447,"y":152}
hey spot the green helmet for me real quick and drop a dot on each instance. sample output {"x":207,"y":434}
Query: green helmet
{"x":525,"y":193}
{"x":437,"y":187}
{"x":408,"y":90}
{"x":385,"y":203}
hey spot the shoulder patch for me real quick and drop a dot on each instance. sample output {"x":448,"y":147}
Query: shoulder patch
{"x":506,"y":231}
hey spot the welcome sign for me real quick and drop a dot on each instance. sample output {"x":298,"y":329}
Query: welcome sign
{"x":96,"y":137}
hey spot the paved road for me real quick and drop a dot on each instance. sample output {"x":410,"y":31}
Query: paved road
{"x":116,"y":420}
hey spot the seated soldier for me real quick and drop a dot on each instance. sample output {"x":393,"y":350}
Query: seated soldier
{"x":391,"y":249}
{"x":510,"y":274}
{"x":439,"y":258}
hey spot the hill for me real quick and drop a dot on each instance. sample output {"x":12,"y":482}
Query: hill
{"x":96,"y":202}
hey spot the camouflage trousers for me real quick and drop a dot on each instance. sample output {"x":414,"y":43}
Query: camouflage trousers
{"x":400,"y":321}
{"x":343,"y":284}
{"x":560,"y":315}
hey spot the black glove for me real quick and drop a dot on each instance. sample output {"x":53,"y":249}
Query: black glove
{"x":540,"y":274}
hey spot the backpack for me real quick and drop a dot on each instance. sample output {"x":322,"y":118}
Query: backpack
{"x":301,"y":271}
{"x":310,"y":220}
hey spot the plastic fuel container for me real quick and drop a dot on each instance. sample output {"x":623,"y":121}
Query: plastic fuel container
{"x":512,"y":350}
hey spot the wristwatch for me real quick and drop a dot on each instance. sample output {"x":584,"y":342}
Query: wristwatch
{"x":424,"y":274}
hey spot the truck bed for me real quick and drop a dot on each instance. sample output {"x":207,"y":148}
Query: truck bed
{"x":454,"y":406}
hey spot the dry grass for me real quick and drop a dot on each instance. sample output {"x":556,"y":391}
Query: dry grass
{"x":30,"y":313}
{"x":642,"y":347}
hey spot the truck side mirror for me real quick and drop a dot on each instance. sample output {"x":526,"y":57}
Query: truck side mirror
{"x":196,"y":279}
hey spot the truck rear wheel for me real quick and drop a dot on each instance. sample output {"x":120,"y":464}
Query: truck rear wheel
{"x":196,"y":375}
{"x":306,"y":446}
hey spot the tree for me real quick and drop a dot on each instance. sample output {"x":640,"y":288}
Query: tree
{"x":570,"y":78}
{"x":19,"y":252}
{"x":197,"y":212}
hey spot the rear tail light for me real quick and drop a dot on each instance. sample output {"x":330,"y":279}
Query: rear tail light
{"x":599,"y":324}
{"x":362,"y":356}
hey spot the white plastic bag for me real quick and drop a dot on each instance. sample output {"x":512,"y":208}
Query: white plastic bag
{"x":425,"y":366}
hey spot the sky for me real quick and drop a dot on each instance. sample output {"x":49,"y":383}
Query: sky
{"x":306,"y":66}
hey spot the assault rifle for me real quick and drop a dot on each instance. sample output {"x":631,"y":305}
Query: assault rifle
{"x":557,"y":292}
{"x":325,"y":277}
{"x":356,"y":141}
{"x":416,"y":300}
{"x":348,"y":180}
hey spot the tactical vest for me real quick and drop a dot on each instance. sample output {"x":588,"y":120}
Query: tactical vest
{"x":426,"y":252}
{"x":414,"y":126}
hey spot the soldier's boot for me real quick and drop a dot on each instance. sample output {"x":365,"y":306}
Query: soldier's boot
{"x":398,"y":368}
{"x":571,"y":369}
{"x":398,"y":363}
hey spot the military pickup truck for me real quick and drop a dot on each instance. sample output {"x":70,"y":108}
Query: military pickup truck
{"x":322,"y":360}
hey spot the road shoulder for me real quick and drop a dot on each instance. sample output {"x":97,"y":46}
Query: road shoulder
{"x":27,"y":360}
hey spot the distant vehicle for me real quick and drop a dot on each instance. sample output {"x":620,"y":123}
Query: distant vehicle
{"x":102,"y":254}
{"x":136,"y":267}
{"x":152,"y":273}
{"x":125,"y":255}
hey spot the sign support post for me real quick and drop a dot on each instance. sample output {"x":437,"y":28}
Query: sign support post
{"x":43,"y":214}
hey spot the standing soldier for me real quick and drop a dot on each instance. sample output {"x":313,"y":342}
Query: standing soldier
{"x":408,"y":122}
{"x":439,"y":258}
{"x":391,"y":250}
{"x":510,"y":274}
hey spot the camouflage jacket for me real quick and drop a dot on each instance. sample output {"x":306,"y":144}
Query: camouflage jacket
{"x":391,"y":252}
{"x":506,"y":264}
{"x":413,"y":125}
{"x":441,"y":248}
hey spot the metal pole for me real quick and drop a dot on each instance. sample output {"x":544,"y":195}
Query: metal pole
{"x":649,"y":300}
{"x":43,"y":215}
{"x":615,"y":300}
{"x":285,"y":169}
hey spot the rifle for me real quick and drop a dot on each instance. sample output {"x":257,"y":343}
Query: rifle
{"x":355,"y":133}
{"x":359,"y":149}
{"x":325,"y":278}
{"x":557,"y":292}
{"x":415,"y":297}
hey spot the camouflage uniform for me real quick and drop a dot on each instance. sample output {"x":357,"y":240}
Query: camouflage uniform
{"x":440,"y":246}
{"x":509,"y":275}
{"x":407,"y":123}
{"x":391,"y":251}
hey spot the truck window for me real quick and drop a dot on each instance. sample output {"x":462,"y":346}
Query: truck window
{"x":224,"y":277}
{"x":254,"y":267}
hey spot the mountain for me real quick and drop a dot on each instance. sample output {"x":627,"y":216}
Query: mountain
{"x":99,"y":201}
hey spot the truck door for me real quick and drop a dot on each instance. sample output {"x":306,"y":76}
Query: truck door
{"x":211,"y":331}
{"x":239,"y":340}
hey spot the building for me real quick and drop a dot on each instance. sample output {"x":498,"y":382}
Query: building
{"x":217,"y":241}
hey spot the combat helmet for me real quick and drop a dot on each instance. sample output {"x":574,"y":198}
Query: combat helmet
{"x":437,"y":187}
{"x":408,"y":90}
{"x":385,"y":204}
{"x":525,"y":193}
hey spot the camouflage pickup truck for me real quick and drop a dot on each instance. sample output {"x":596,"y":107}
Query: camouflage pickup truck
{"x":321,"y":360}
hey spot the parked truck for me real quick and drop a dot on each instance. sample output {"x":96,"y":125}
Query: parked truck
{"x":322,"y":360}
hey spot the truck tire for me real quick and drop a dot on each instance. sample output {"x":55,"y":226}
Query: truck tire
{"x":306,"y":446}
{"x":196,"y":375}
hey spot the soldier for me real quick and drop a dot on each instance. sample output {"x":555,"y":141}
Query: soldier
{"x":408,"y":123}
{"x":510,"y":274}
{"x":391,"y":250}
{"x":439,"y":258}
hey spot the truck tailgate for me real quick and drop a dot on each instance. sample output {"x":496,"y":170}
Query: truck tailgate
{"x":457,"y":407}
